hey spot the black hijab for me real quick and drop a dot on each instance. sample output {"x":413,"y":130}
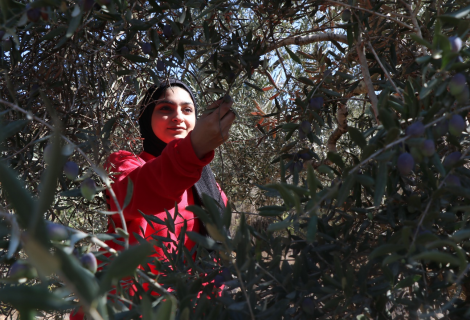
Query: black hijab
{"x":155,"y":146}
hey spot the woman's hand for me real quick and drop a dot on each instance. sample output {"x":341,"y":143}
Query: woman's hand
{"x":212,"y":129}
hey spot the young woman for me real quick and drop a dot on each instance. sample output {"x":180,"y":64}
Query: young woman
{"x":174,"y":166}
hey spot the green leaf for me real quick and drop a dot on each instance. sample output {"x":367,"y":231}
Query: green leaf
{"x":206,"y":242}
{"x":253,"y":86}
{"x":336,"y":159}
{"x":84,"y":281}
{"x":12,"y":128}
{"x":167,"y":309}
{"x":129,"y":192}
{"x":53,"y":33}
{"x":428,"y":87}
{"x":385,"y":249}
{"x":306,"y":81}
{"x":125,"y":264}
{"x":357,"y":137}
{"x":408,"y":281}
{"x":135,"y":58}
{"x":380,"y":182}
{"x":20,"y":198}
{"x":200,"y":213}
{"x":169,"y":222}
{"x":365,"y":180}
{"x":331,"y":92}
{"x":345,"y":189}
{"x":271,"y":211}
{"x":74,"y":23}
{"x":312,"y":181}
{"x":293,"y":56}
{"x":420,"y":40}
{"x":33,"y":297}
{"x":227,"y":217}
{"x":279,"y":225}
{"x":439,"y":257}
{"x":459,"y":14}
{"x":213,"y":208}
{"x":312,"y":228}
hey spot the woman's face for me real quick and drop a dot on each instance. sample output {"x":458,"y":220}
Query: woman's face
{"x":174,"y":115}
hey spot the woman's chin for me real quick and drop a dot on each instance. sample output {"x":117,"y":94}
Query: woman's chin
{"x":175,"y":136}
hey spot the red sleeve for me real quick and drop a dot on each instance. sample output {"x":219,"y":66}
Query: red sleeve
{"x":159,"y":182}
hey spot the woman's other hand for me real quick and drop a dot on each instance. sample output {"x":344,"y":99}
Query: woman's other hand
{"x":212,"y":129}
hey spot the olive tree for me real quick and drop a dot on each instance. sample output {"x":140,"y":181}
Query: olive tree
{"x":346,"y":170}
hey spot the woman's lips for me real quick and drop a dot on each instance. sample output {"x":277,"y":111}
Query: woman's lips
{"x":177,"y":129}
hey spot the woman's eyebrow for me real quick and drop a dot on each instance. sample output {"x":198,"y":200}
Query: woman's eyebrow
{"x":172,"y":102}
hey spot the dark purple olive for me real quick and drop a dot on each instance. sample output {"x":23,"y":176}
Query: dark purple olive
{"x":56,"y":232}
{"x":457,"y":84}
{"x":305,"y":155}
{"x":219,"y":280}
{"x":306,"y":126}
{"x":346,"y":15}
{"x":255,"y":64}
{"x":316,"y":103}
{"x":429,"y":148}
{"x":167,"y":31}
{"x":22,"y":269}
{"x":104,"y":2}
{"x":302,"y":135}
{"x":2,"y":33}
{"x":89,"y":262}
{"x":455,"y":44}
{"x":124,"y":50}
{"x":456,"y":125}
{"x":33,"y":14}
{"x":231,"y":77}
{"x":146,"y":48}
{"x":463,"y":96}
{"x":71,"y":170}
{"x":226,"y":274}
{"x":415,"y":129}
{"x":452,"y":180}
{"x":451,"y":159}
{"x":405,"y":163}
{"x":308,"y":306}
{"x":88,"y":188}
{"x":160,"y":65}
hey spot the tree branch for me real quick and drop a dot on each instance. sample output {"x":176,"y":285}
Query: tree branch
{"x":342,"y":128}
{"x":373,"y":12}
{"x":299,"y":40}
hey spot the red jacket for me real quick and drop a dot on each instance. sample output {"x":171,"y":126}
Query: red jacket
{"x":159,"y":182}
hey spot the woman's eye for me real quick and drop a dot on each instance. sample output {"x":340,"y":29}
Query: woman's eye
{"x":189,"y":110}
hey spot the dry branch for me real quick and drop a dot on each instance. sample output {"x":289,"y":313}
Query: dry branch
{"x":299,"y":40}
{"x":342,"y":128}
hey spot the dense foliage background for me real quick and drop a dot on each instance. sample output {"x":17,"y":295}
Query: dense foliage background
{"x":346,"y":170}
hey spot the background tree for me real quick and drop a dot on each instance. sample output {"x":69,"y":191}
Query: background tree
{"x":348,"y":160}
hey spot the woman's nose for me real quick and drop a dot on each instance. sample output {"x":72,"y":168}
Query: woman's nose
{"x":178,"y":116}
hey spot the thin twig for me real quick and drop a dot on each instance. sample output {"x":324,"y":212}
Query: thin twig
{"x":366,"y":75}
{"x":385,"y":71}
{"x":372,"y":12}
